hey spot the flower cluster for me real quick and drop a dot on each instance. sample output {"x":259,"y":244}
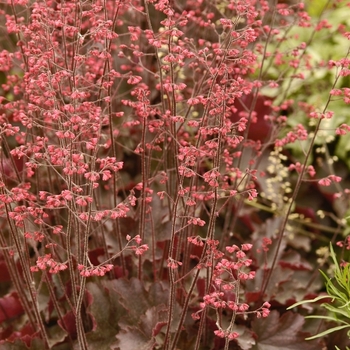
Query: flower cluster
{"x":94,"y":270}
{"x":228,"y":276}
{"x":46,"y":261}
{"x":139,"y":248}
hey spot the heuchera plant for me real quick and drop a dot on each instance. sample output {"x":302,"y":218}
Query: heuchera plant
{"x":170,"y":171}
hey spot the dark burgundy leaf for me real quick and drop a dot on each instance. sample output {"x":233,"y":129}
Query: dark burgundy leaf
{"x":133,"y":338}
{"x":259,"y":129}
{"x":10,"y":307}
{"x":68,"y":324}
{"x":4,"y":275}
{"x":285,"y":332}
{"x":293,"y":261}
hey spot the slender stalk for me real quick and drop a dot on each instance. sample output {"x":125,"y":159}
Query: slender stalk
{"x":28,"y":278}
{"x":288,"y":211}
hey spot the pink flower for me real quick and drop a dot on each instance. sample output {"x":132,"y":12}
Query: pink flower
{"x":220,"y":333}
{"x":246,"y":246}
{"x":134,"y":80}
{"x":141,"y":249}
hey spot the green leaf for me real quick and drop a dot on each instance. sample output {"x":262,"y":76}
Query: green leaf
{"x":337,"y":310}
{"x":308,"y":301}
{"x":328,"y":331}
{"x":315,"y":8}
{"x":327,"y":318}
